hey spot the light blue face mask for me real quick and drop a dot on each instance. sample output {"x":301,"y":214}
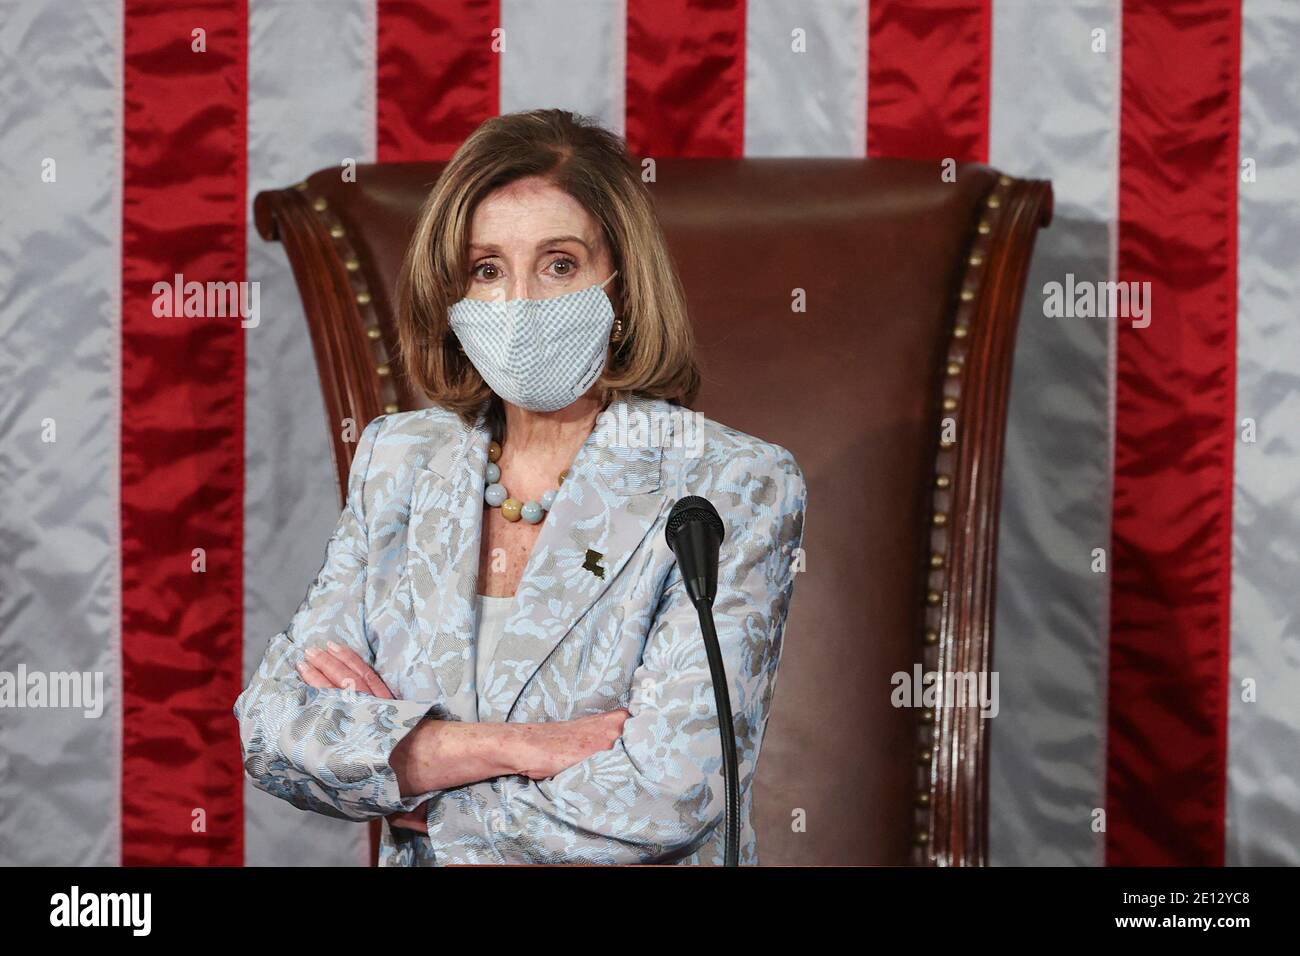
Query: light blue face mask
{"x":539,"y":354}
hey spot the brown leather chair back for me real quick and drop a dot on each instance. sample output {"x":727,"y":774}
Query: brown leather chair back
{"x":848,"y":310}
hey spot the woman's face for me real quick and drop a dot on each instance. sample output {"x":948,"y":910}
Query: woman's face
{"x":530,"y":239}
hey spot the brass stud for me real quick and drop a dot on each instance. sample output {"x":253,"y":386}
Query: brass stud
{"x":932,"y":636}
{"x":967,"y":295}
{"x":382,"y":371}
{"x":933,"y":598}
{"x":336,"y":232}
{"x":1004,"y":180}
{"x":936,"y":560}
{"x":984,"y":228}
{"x":363,"y":298}
{"x":959,"y":332}
{"x":949,"y":403}
{"x":319,"y":204}
{"x":390,"y":409}
{"x":923,"y":756}
{"x":373,"y":332}
{"x":954,"y":368}
{"x":940,"y":519}
{"x":922,"y":800}
{"x":352,"y":265}
{"x":301,"y":187}
{"x":946,"y":443}
{"x":994,"y":202}
{"x":922,"y":838}
{"x":976,"y":260}
{"x":927,"y":715}
{"x":942,"y":481}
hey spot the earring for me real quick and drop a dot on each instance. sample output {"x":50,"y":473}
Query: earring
{"x":618,"y":330}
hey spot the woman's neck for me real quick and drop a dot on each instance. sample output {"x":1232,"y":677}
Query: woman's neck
{"x":539,"y":445}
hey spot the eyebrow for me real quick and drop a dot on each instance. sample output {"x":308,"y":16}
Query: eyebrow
{"x":549,"y":241}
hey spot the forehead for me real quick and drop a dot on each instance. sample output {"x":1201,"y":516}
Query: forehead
{"x":527,"y":211}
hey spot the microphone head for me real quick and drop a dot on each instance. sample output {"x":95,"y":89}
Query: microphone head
{"x":690,"y":509}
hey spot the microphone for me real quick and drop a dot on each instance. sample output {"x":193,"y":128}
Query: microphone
{"x":695,"y":534}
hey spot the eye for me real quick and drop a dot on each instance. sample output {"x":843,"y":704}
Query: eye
{"x":486,"y":272}
{"x":563,"y":267}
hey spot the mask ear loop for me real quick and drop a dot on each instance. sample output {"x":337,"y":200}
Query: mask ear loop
{"x":617,"y":335}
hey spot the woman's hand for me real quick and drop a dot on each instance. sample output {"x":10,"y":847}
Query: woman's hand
{"x":546,"y":749}
{"x":341,"y":667}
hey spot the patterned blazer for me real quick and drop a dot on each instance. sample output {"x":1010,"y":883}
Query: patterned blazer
{"x":600,"y":620}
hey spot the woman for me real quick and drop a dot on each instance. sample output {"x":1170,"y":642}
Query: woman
{"x":498,"y":655}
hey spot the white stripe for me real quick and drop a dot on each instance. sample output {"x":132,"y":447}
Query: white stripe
{"x":311,"y":105}
{"x":1263,"y":796}
{"x":806,"y":78}
{"x":60,"y":298}
{"x":567,"y":56}
{"x":1054,"y":115}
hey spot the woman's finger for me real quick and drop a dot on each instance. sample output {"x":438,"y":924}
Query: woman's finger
{"x":338,"y":676}
{"x":312,"y":677}
{"x":365,"y":674}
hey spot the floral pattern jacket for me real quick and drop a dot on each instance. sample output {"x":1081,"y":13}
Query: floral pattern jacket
{"x":600,"y":620}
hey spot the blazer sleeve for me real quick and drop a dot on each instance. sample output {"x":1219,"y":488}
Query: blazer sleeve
{"x":327,"y":750}
{"x":658,"y":793}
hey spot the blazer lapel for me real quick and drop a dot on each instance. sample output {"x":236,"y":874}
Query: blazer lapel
{"x":603,"y":511}
{"x":445,"y":525}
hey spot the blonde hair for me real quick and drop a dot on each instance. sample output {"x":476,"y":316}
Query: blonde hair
{"x":655,"y":355}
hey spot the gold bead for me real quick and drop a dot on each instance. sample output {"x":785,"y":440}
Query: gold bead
{"x":984,"y":228}
{"x":373,"y":332}
{"x":563,"y":475}
{"x":336,"y":232}
{"x":967,"y":295}
{"x":319,"y":204}
{"x":949,"y":403}
{"x":352,"y":265}
{"x":511,"y":509}
{"x":942,"y":481}
{"x":390,"y":409}
{"x":936,"y":560}
{"x":954,"y":368}
{"x":940,"y":519}
{"x":363,"y":298}
{"x":959,"y":332}
{"x":382,"y":371}
{"x":494,"y":452}
{"x":933,"y":598}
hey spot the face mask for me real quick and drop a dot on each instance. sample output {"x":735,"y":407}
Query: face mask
{"x":539,"y":354}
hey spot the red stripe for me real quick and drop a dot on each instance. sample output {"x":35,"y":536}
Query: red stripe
{"x":438,"y":75}
{"x":686,"y":77}
{"x":928,"y":66}
{"x":1172,"y":534}
{"x":182,"y":455}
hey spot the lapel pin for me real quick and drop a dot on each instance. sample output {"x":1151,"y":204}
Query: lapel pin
{"x":593,"y":563}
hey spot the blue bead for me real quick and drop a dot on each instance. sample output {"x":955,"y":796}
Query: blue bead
{"x":531,"y":512}
{"x":548,"y":499}
{"x":493,"y":474}
{"x":495,"y":494}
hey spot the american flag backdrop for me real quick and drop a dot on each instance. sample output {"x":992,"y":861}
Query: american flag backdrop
{"x":168,"y":488}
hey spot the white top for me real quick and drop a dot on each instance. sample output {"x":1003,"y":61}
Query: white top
{"x":490,"y":621}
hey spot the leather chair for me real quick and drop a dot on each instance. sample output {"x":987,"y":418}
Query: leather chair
{"x":848,"y":310}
